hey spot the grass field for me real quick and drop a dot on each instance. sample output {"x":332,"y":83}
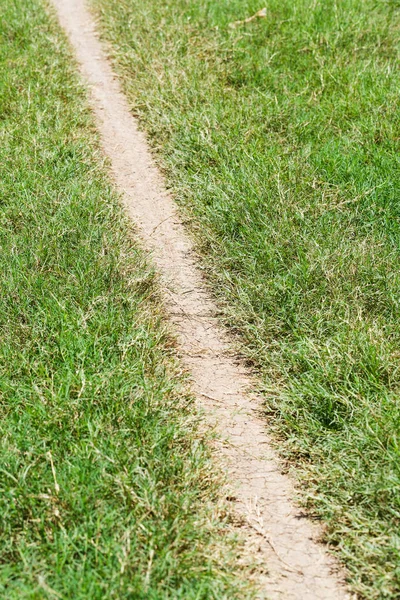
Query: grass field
{"x":107,"y":489}
{"x":280,"y":140}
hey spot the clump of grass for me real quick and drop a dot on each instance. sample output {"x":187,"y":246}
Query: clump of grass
{"x":107,"y":489}
{"x":280,"y":139}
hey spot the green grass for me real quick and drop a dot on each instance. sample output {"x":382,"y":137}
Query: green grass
{"x":107,"y":488}
{"x":280,"y":140}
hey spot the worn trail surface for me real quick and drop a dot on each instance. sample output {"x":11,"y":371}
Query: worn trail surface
{"x":298,"y":566}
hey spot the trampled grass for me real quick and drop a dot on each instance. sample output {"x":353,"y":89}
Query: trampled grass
{"x":107,"y":489}
{"x":280,"y":139}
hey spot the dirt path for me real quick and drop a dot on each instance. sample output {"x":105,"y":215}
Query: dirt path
{"x":298,"y":566}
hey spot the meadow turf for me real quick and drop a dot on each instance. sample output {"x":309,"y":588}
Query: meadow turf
{"x":106,"y":486}
{"x":280,"y":141}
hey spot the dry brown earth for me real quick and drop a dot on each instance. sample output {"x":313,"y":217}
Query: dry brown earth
{"x":298,"y":566}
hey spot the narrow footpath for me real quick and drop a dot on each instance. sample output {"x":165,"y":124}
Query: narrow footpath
{"x":299,"y":567}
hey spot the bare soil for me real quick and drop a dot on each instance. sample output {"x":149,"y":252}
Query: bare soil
{"x":297,"y":565}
